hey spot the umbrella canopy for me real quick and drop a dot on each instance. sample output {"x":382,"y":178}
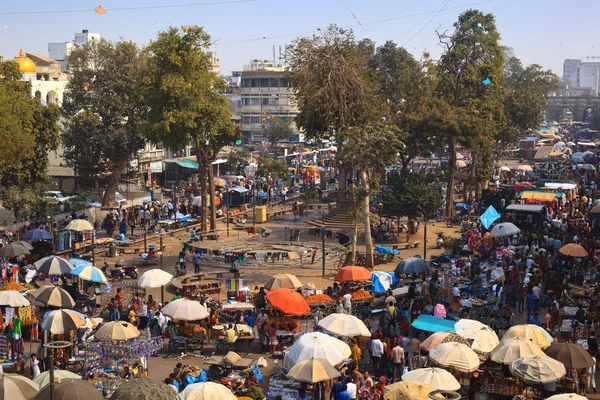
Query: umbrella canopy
{"x":344,"y":325}
{"x":571,"y":144}
{"x":117,"y":330}
{"x":79,"y":225}
{"x":533,"y":332}
{"x":90,"y":273}
{"x":439,"y":378}
{"x":53,"y":296}
{"x":571,"y":355}
{"x":484,"y":339}
{"x":460,"y":164}
{"x":595,"y":209}
{"x":489,"y":216}
{"x":37,"y":234}
{"x":407,"y":391}
{"x":573,"y":250}
{"x":43,"y":379}
{"x":382,"y":281}
{"x":206,"y":391}
{"x":537,"y":370}
{"x":69,"y":389}
{"x":79,"y":262}
{"x":566,"y":396}
{"x":465,"y":325}
{"x":278,"y":281}
{"x":456,"y":355}
{"x":504,"y":229}
{"x":143,"y":389}
{"x":411,"y":265}
{"x":525,"y":168}
{"x":25,"y":244}
{"x":12,"y":298}
{"x":353,"y":273}
{"x":61,"y":321}
{"x":288,"y":301}
{"x":12,"y":250}
{"x":442,"y":337}
{"x":317,"y":345}
{"x":154,"y":278}
{"x":53,"y":265}
{"x":504,"y":168}
{"x":185,"y":310}
{"x":17,"y":387}
{"x":577,"y":159}
{"x":510,"y":350}
{"x":313,"y":370}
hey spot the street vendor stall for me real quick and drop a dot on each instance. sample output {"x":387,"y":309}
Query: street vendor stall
{"x":194,"y":285}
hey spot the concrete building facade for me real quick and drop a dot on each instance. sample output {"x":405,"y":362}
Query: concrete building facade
{"x":581,"y":77}
{"x":60,"y":51}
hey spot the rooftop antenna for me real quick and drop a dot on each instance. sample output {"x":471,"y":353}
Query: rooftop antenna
{"x":280,"y":54}
{"x":274,"y":58}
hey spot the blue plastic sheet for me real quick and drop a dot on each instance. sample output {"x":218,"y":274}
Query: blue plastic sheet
{"x":386,"y":250}
{"x":429,"y":323}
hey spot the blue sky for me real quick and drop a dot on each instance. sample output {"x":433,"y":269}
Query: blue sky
{"x":540,"y":31}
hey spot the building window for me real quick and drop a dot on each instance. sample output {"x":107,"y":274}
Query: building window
{"x":246,"y":82}
{"x":274,"y":82}
{"x":245,"y":120}
{"x":254,"y":82}
{"x":264,"y":82}
{"x":285,"y":82}
{"x":254,"y":101}
{"x":265,"y":101}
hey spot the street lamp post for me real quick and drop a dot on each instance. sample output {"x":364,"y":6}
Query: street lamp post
{"x":52,"y":346}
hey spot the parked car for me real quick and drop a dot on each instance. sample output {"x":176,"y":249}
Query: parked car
{"x":55,"y":196}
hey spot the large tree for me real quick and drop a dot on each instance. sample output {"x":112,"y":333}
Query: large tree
{"x":406,"y":86}
{"x":105,"y":114}
{"x":186,"y":103}
{"x":467,"y":110}
{"x":278,"y":128}
{"x":333,"y":87}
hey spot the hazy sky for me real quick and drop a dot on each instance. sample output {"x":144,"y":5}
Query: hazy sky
{"x":540,"y":31}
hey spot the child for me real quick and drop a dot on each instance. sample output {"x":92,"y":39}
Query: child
{"x":35,"y":366}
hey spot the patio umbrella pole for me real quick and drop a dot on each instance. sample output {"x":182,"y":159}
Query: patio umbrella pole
{"x":51,"y":363}
{"x":93,"y":253}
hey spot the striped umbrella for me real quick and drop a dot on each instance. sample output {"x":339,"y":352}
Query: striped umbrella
{"x":78,"y":262}
{"x":61,"y":321}
{"x":89,"y":273}
{"x":53,"y":296}
{"x":53,"y":266}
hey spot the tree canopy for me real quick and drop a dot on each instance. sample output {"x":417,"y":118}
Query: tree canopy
{"x":411,"y":197}
{"x":104,"y":110}
{"x":278,"y":128}
{"x":269,"y":167}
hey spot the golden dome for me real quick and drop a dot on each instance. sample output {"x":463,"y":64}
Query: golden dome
{"x":26,"y":64}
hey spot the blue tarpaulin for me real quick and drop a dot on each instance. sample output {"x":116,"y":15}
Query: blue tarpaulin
{"x":489,"y":216}
{"x":430,"y":323}
{"x":386,"y":250}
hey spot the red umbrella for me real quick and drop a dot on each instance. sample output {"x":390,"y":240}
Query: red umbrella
{"x":288,"y":301}
{"x":353,"y":273}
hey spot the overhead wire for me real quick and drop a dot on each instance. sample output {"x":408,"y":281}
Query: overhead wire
{"x":395,"y":15}
{"x":344,"y":1}
{"x":427,"y":24}
{"x":91,"y":10}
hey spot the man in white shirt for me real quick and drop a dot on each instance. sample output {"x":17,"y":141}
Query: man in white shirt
{"x":376,"y":353}
{"x":347,"y":303}
{"x":591,"y":377}
{"x":351,"y":389}
{"x":536,"y":290}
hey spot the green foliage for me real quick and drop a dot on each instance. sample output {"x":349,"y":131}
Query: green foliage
{"x":240,"y":157}
{"x":331,"y":82}
{"x":105,"y":112}
{"x":411,"y":197}
{"x":276,"y":128}
{"x":268,"y":166}
{"x":23,"y":202}
{"x":525,"y":99}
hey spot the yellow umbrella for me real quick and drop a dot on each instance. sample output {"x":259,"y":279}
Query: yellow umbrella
{"x":117,"y":330}
{"x":439,"y":378}
{"x":573,"y":250}
{"x":509,"y":350}
{"x":313,"y":370}
{"x":206,"y":391}
{"x":456,"y":355}
{"x":289,"y":281}
{"x":484,"y":339}
{"x":533,"y":332}
{"x":344,"y":325}
{"x":407,"y":391}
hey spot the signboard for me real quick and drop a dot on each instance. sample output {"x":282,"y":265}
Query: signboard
{"x":156,"y":166}
{"x":256,"y":126}
{"x":257,"y":137}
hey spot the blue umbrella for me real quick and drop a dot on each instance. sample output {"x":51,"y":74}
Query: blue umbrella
{"x":37,"y":234}
{"x":577,"y":160}
{"x":79,"y":262}
{"x":89,"y":273}
{"x":489,"y":216}
{"x":412,"y":265}
{"x":462,"y":205}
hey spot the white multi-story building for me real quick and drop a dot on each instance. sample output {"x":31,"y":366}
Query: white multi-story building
{"x":60,"y":51}
{"x":584,"y":75}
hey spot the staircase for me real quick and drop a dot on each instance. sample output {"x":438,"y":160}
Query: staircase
{"x":337,"y":220}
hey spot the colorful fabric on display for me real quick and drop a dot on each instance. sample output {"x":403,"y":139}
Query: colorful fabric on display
{"x":17,"y":325}
{"x":3,"y":347}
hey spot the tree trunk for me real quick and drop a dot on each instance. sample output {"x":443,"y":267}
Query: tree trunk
{"x":404,"y":171}
{"x":370,"y":263}
{"x":202,"y":185}
{"x":451,"y":171}
{"x":475,"y":174}
{"x":112,"y":183}
{"x":354,"y":243}
{"x":211,"y":190}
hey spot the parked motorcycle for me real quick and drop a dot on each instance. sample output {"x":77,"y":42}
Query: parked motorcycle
{"x":120,"y":271}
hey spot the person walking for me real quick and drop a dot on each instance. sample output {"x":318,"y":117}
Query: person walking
{"x":197,"y":258}
{"x":376,"y":354}
{"x":397,"y":360}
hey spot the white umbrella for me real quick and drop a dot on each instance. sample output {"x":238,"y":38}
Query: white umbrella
{"x":317,"y":345}
{"x":456,"y":355}
{"x":504,"y":229}
{"x":79,"y":225}
{"x":484,"y":340}
{"x":206,"y":391}
{"x":154,"y":278}
{"x":538,"y":370}
{"x":117,"y":330}
{"x":509,"y":350}
{"x":504,"y":168}
{"x":437,"y":377}
{"x":464,"y":326}
{"x":43,"y":379}
{"x":525,"y":168}
{"x":185,"y":310}
{"x":12,"y":298}
{"x":344,"y":325}
{"x":460,"y":164}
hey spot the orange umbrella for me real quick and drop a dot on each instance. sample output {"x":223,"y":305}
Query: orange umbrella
{"x":353,"y":273}
{"x":288,"y":301}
